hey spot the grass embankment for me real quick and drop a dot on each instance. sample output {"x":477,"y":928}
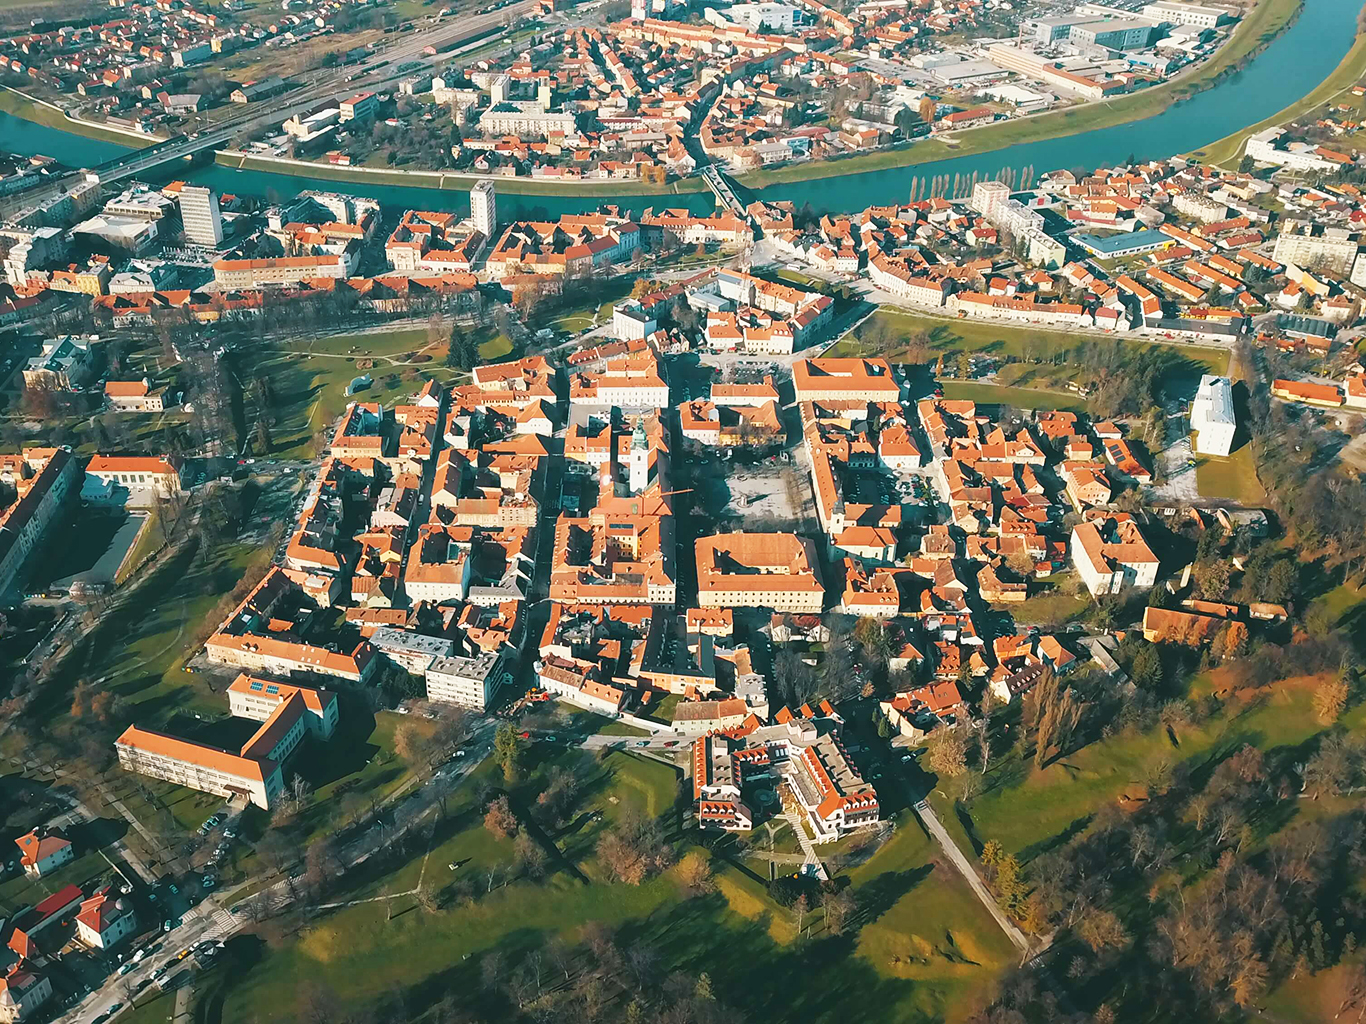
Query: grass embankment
{"x":452,"y":181}
{"x":311,"y":376}
{"x":1226,"y":151}
{"x":29,"y":109}
{"x":1040,"y":383}
{"x":1234,"y":477}
{"x":1029,"y":810}
{"x":920,"y":948}
{"x":1266,"y":21}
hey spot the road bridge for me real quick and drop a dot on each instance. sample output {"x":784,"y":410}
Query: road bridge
{"x":724,"y":191}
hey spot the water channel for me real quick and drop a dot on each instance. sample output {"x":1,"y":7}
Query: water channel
{"x":1290,"y":67}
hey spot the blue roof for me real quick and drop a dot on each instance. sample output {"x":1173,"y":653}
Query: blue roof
{"x":1105,"y":245}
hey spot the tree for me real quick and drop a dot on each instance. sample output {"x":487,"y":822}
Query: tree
{"x":529,"y":855}
{"x":634,"y":849}
{"x":1231,"y":641}
{"x":694,"y":874}
{"x":1010,"y":885}
{"x":1212,"y":578}
{"x":1101,"y":929}
{"x":1146,"y":670}
{"x":948,"y":752}
{"x":500,"y":819}
{"x":1330,"y":699}
{"x":427,"y":899}
{"x":462,"y":353}
{"x":838,"y":907}
{"x":507,"y":751}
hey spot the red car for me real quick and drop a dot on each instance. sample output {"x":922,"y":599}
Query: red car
{"x":526,"y":735}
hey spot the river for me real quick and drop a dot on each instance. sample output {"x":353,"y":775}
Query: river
{"x":1290,"y":67}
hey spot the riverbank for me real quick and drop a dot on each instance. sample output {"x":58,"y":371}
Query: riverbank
{"x":1268,"y":20}
{"x":1226,"y":151}
{"x":449,"y":180}
{"x":24,"y":106}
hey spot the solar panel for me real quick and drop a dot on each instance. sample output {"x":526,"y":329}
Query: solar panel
{"x":256,"y":686}
{"x":272,"y":690}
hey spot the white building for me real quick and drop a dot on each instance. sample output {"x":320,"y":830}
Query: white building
{"x":199,"y":215}
{"x":1195,"y":15}
{"x":105,"y":919}
{"x":630,"y":322}
{"x":1212,"y":416}
{"x":1111,"y":555}
{"x":22,"y":991}
{"x":466,"y":682}
{"x":484,"y":209}
{"x":42,"y":853}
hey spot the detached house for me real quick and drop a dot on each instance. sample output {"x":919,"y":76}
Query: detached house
{"x":105,"y":918}
{"x":42,"y":853}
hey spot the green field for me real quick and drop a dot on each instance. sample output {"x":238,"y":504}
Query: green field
{"x":1234,"y":477}
{"x":1050,"y":607}
{"x":312,"y":386}
{"x":955,"y":335}
{"x":921,"y":949}
{"x":1026,"y":808}
{"x":1020,"y":398}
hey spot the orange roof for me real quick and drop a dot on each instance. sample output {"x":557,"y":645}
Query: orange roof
{"x":154,"y":464}
{"x":198,"y":754}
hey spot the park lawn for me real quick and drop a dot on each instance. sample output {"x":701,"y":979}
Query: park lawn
{"x":1234,"y":477}
{"x":1020,"y":398}
{"x":151,"y":801}
{"x":312,"y":393}
{"x":374,"y":344}
{"x":928,"y":928}
{"x":618,"y":728}
{"x":154,"y":1009}
{"x":1029,"y":811}
{"x":144,"y":664}
{"x":1049,"y":606}
{"x":954,"y":335}
{"x":497,"y":347}
{"x":363,"y":950}
{"x":662,"y":710}
{"x":360,"y":760}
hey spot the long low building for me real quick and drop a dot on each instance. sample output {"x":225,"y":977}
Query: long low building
{"x":42,"y":478}
{"x":197,"y":766}
{"x":279,"y":272}
{"x":287,"y":714}
{"x":825,"y":380}
{"x":759,"y":570}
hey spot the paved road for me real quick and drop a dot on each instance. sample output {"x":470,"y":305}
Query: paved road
{"x":969,"y":873}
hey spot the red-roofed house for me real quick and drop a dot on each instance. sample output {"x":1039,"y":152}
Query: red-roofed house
{"x":26,"y":940}
{"x":105,"y":918}
{"x":22,"y":991}
{"x":42,"y":853}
